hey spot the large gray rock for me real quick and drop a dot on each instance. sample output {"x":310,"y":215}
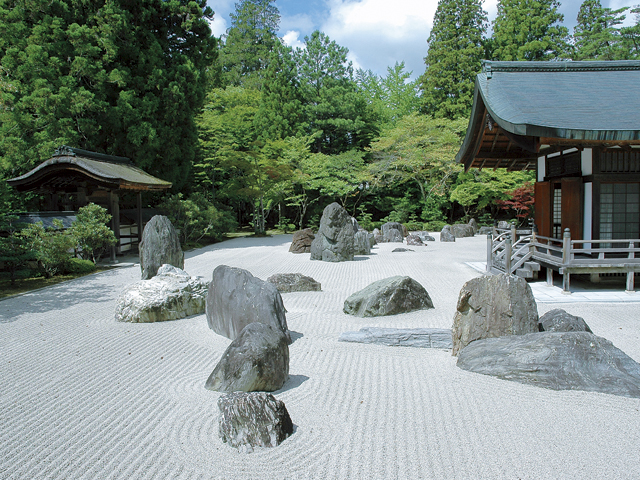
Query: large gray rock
{"x":160,"y":245}
{"x":249,"y":420}
{"x":294,"y":282}
{"x":170,"y":295}
{"x":414,"y":240}
{"x":446,"y":235}
{"x":555,"y":360}
{"x":236,"y":298}
{"x":485,"y":230}
{"x":388,"y":296}
{"x":558,"y":320}
{"x":257,"y":360}
{"x":361,"y":243}
{"x":502,"y":224}
{"x":401,"y":337}
{"x":335,"y":239}
{"x":462,"y":230}
{"x":301,"y":241}
{"x":493,"y":306}
{"x":392,"y":232}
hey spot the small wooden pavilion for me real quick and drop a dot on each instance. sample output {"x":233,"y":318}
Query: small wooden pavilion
{"x":577,"y":125}
{"x":72,"y":178}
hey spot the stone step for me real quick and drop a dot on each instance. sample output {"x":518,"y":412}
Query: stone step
{"x":533,"y":266}
{"x":524,"y":273}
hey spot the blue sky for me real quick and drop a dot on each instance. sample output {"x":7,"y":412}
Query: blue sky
{"x":377,"y":33}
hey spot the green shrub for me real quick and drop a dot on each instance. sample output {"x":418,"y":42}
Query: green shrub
{"x":52,"y":247}
{"x":434,"y":226}
{"x":90,"y":232}
{"x":15,"y":252}
{"x":285,"y":225}
{"x":79,"y":265}
{"x":196,"y":218}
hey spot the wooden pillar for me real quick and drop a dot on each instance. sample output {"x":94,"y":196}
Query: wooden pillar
{"x":82,"y":197}
{"x":489,"y":251}
{"x":139,"y":218}
{"x":114,"y":210}
{"x":566,"y":258}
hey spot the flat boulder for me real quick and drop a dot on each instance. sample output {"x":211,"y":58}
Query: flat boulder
{"x":401,"y":337}
{"x":250,"y":420}
{"x":388,"y":296}
{"x":393,"y":232}
{"x":335,"y":239}
{"x":493,"y":306}
{"x":170,"y":295}
{"x":555,"y":360}
{"x":401,"y":249}
{"x":558,"y":320}
{"x":294,"y":282}
{"x":257,"y":360}
{"x":414,"y":240}
{"x":485,"y":230}
{"x":462,"y":230}
{"x":301,"y":241}
{"x":236,"y":298}
{"x":446,"y":235}
{"x":160,"y":245}
{"x":361,"y":243}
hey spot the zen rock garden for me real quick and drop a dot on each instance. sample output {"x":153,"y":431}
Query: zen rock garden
{"x":496,"y":330}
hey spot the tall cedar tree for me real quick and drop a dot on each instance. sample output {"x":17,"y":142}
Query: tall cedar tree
{"x":595,"y":35}
{"x":249,"y":42}
{"x":335,"y":111}
{"x":529,"y":30}
{"x":453,"y":59}
{"x":280,"y":113}
{"x":119,"y":77}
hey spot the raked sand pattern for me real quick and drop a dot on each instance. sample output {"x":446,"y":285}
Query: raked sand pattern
{"x":85,"y":397}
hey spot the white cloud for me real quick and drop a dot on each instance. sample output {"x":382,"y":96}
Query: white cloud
{"x":291,"y":39}
{"x":379,"y":33}
{"x":218,"y":26}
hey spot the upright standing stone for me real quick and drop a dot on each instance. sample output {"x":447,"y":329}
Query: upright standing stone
{"x":362,"y":243}
{"x":236,"y":298}
{"x":474,"y":225}
{"x":493,"y":306}
{"x":334,"y":241}
{"x":160,"y":245}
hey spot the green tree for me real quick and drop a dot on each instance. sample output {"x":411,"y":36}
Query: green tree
{"x":90,"y":232}
{"x":630,"y":47}
{"x":119,"y":77}
{"x":596,"y":36}
{"x":392,"y":96}
{"x":280,"y":112}
{"x":453,"y":59}
{"x":249,"y":42}
{"x":336,"y":113}
{"x":419,"y":150}
{"x":529,"y":30}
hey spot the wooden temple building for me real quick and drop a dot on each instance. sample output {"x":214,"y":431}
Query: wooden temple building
{"x":577,"y":126}
{"x":72,"y":178}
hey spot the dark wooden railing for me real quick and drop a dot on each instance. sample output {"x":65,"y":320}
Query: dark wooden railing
{"x":508,"y":250}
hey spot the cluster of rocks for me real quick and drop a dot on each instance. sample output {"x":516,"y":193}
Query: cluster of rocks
{"x":497,"y":332}
{"x":449,"y":233}
{"x":166,"y":291}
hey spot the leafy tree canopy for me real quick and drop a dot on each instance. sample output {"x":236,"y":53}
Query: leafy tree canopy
{"x":595,"y":35}
{"x":119,"y":77}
